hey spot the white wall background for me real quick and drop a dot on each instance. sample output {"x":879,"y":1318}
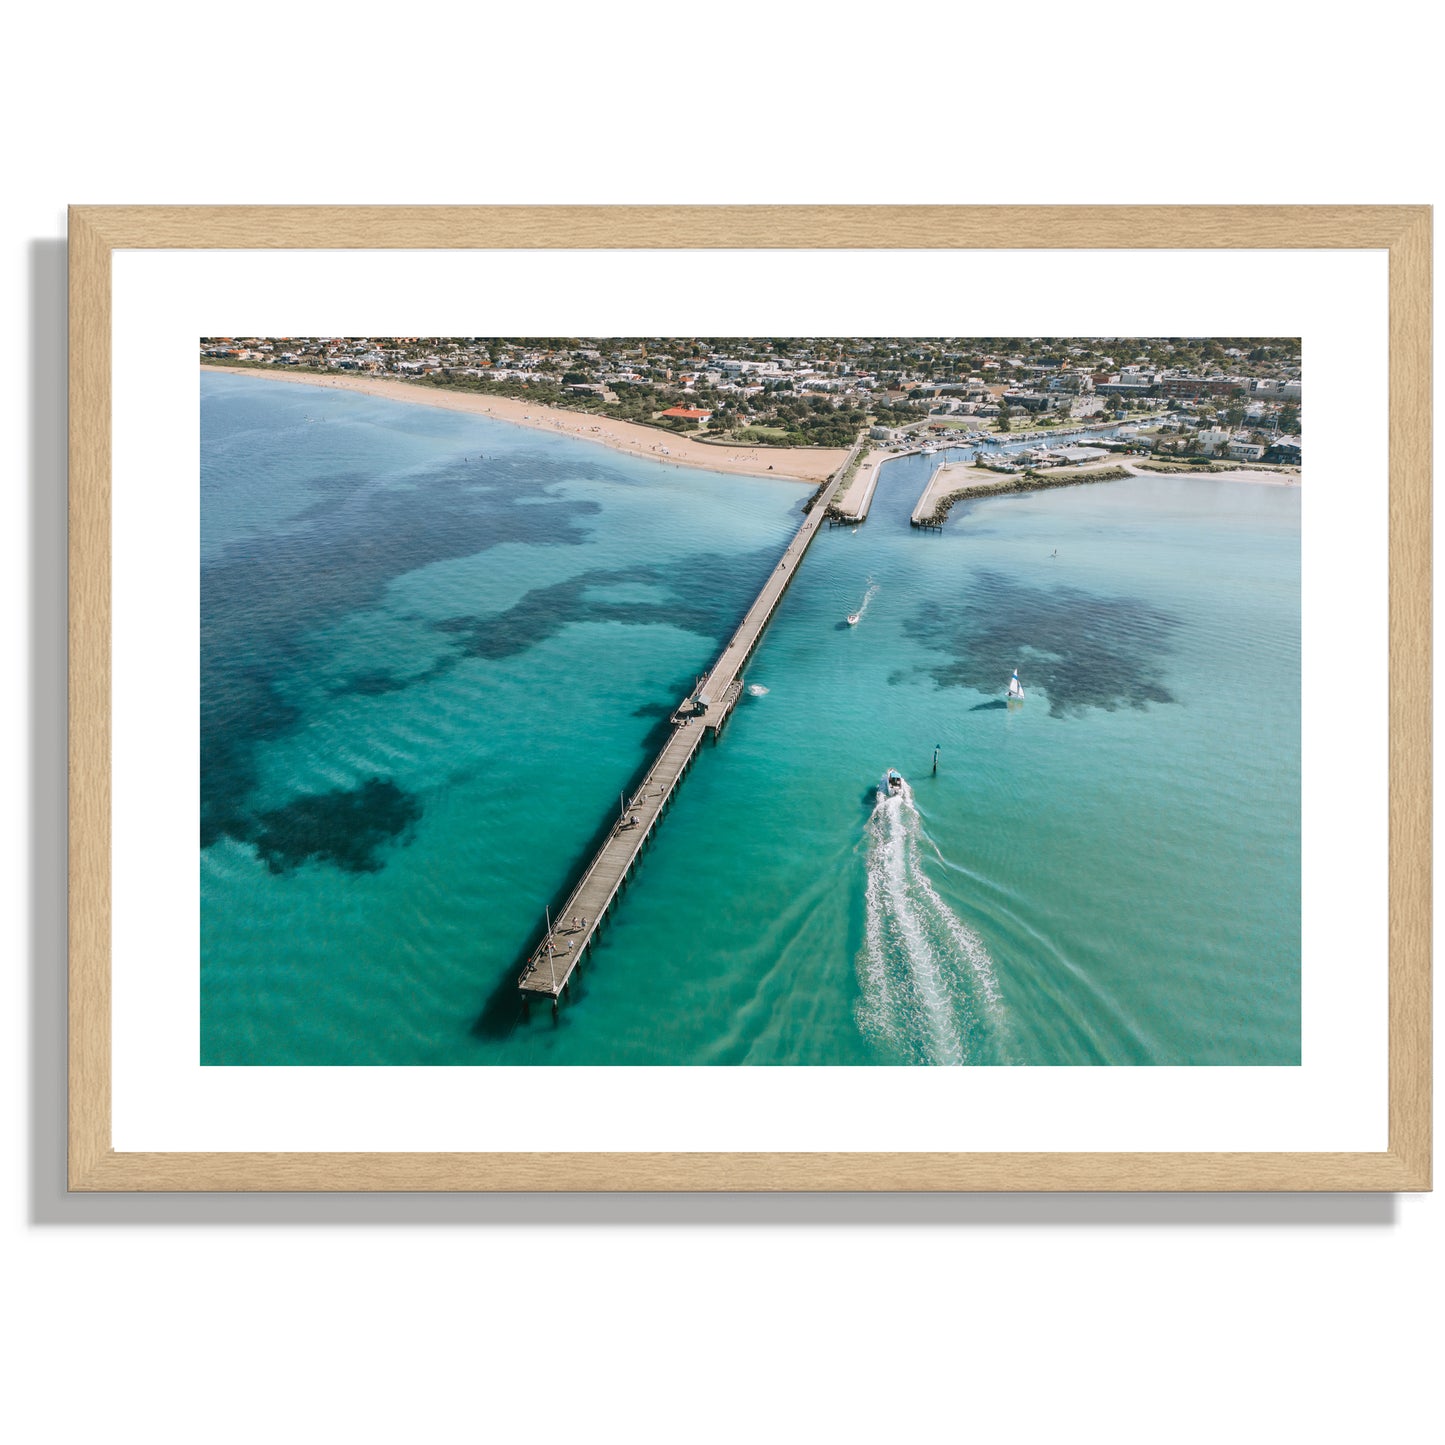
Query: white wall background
{"x":690,"y":1319}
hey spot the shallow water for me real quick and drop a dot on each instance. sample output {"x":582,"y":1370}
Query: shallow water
{"x":427,"y":676}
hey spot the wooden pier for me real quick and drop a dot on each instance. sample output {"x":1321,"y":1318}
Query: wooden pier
{"x":572,"y":928}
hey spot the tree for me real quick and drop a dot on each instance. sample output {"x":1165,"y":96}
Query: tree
{"x":1289,"y":421}
{"x":1005,"y":421}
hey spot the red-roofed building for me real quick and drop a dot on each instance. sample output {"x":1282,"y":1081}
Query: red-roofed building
{"x":692,"y":413}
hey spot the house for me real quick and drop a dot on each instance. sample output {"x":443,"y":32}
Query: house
{"x":1286,"y":450}
{"x":1245,"y":451}
{"x":1211,"y":440}
{"x":689,"y":413}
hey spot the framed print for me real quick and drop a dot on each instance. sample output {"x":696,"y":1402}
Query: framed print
{"x":748,"y":698}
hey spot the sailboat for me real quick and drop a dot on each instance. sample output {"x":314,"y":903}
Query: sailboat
{"x":1015,"y":688}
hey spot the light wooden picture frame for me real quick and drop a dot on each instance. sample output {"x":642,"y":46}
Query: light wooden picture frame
{"x":96,"y":233}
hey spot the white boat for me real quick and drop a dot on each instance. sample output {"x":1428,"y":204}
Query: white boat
{"x":1015,"y":688}
{"x":853,"y":618}
{"x":893,"y":781}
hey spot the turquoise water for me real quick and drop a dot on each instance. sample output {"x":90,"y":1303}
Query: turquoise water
{"x":426,"y":677}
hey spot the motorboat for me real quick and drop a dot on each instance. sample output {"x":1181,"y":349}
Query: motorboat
{"x":854,"y":618}
{"x":893,"y":780}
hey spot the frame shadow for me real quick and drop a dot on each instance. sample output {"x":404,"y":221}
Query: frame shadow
{"x":50,"y":1203}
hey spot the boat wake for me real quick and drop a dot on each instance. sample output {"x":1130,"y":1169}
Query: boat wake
{"x":756,"y":689}
{"x":868,"y":596}
{"x":928,"y":985}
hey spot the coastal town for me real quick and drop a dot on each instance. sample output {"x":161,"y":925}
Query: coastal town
{"x":1185,"y":401}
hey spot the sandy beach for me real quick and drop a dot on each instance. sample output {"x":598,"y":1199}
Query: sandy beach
{"x":955,"y":478}
{"x":799,"y":464}
{"x":1259,"y":479}
{"x":963,"y":476}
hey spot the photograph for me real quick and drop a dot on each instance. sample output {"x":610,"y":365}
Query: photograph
{"x":842,"y":700}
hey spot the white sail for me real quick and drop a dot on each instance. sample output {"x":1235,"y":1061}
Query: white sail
{"x":1014,"y":689}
